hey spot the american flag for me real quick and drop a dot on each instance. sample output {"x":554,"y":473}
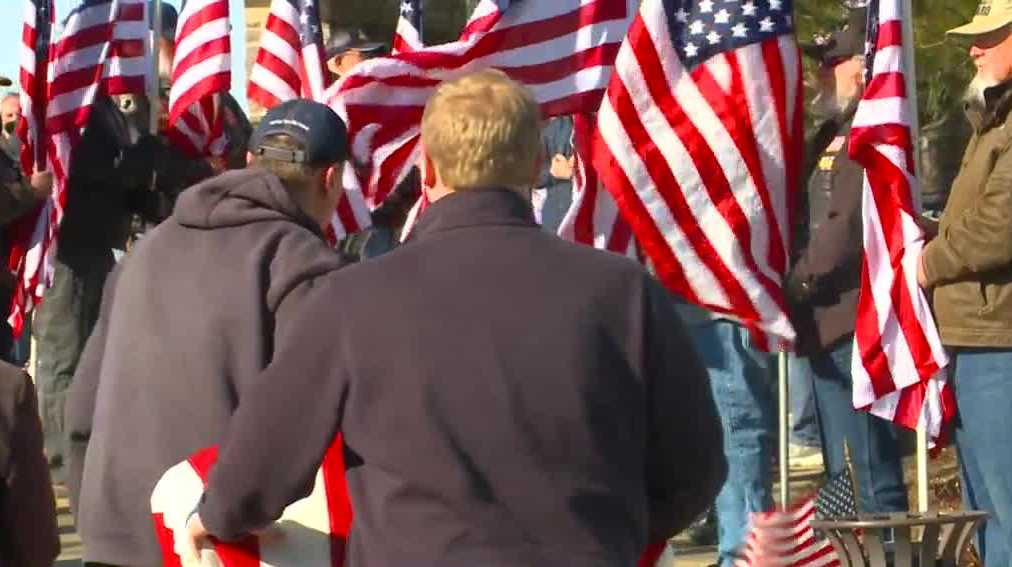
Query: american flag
{"x":593,"y":217}
{"x":787,"y":538}
{"x":563,"y":51}
{"x":408,"y":35}
{"x":699,"y":140}
{"x":290,"y":62}
{"x":101,"y":51}
{"x":202,"y":69}
{"x":311,"y":533}
{"x":35,"y":38}
{"x":899,"y":361}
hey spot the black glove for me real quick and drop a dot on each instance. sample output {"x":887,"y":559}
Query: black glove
{"x":137,"y":165}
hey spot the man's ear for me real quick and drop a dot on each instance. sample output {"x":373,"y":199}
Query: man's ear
{"x":428,"y":169}
{"x":249,"y":158}
{"x":333,"y":178}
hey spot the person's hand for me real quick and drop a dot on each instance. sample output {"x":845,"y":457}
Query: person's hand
{"x":41,"y":183}
{"x":928,"y":225}
{"x":195,"y":537}
{"x":562,"y":167}
{"x":922,"y":276}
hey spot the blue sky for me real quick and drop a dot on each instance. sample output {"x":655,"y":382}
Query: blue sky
{"x":10,"y":36}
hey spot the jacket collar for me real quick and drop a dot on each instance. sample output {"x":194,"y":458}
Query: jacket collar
{"x":997,"y":104}
{"x":475,"y":207}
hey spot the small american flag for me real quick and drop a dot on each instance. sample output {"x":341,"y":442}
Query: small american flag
{"x":899,"y":360}
{"x":699,"y":140}
{"x":836,"y":498}
{"x":593,"y":217}
{"x":202,"y":69}
{"x":787,"y":539}
{"x":408,"y":36}
{"x":290,"y":61}
{"x":563,"y":50}
{"x":102,"y":51}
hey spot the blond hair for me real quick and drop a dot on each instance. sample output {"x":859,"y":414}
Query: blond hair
{"x":483,"y":130}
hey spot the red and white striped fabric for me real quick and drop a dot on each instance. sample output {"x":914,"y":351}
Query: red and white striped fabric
{"x":39,"y":17}
{"x":408,"y":35}
{"x":563,"y":51}
{"x":786,"y":539}
{"x":313,"y":532}
{"x":899,"y":361}
{"x":201,"y":70}
{"x":290,"y":61}
{"x":593,"y":217}
{"x":102,"y":50}
{"x":699,"y":141}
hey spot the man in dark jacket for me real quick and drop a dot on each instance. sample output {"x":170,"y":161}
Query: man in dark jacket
{"x":194,"y":311}
{"x":28,"y":532}
{"x":540,"y":403}
{"x":823,"y":285}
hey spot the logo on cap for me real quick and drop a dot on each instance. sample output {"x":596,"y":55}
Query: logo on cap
{"x":984,"y":9}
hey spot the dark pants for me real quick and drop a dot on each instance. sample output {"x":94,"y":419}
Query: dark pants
{"x":63,"y":323}
{"x":872,"y":441}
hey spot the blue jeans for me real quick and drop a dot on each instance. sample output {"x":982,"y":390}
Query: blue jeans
{"x":739,"y":378}
{"x":982,"y":383}
{"x":804,"y":421}
{"x":872,"y":441}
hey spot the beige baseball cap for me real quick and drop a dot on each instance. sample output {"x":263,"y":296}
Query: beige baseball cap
{"x":991,"y":15}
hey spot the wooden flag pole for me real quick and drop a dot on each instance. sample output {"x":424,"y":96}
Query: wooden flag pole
{"x":154,"y":94}
{"x":784,"y":404}
{"x":915,"y":136}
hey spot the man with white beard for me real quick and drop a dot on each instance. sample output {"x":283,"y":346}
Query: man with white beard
{"x":968,"y":267}
{"x":824,"y":281}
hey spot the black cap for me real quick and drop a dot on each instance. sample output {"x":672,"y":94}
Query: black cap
{"x":169,"y":19}
{"x":841,"y":44}
{"x":316,"y":127}
{"x":347,"y":40}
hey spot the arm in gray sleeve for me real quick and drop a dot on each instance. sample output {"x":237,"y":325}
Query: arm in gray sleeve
{"x":685,"y":464}
{"x":285,"y":420}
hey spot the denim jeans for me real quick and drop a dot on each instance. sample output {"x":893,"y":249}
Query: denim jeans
{"x":982,"y":383}
{"x":872,"y":441}
{"x":804,"y":421}
{"x":739,"y":378}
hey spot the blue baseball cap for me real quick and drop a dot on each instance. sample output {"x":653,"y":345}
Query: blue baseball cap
{"x":314,"y":126}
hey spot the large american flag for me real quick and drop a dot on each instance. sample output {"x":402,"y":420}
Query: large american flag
{"x":593,"y":217}
{"x":408,"y":35}
{"x":699,"y":140}
{"x":563,"y":50}
{"x":312,"y":532}
{"x":39,"y":17}
{"x":290,"y":62}
{"x":201,"y":70}
{"x":101,"y":51}
{"x":899,"y":361}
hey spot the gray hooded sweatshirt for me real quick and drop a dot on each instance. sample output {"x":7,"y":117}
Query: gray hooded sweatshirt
{"x":188,"y":317}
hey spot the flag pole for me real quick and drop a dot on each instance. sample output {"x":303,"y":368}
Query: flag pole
{"x":784,"y":429}
{"x":915,"y":136}
{"x":154,"y":97}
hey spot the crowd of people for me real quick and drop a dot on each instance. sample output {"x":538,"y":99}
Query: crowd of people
{"x":504,"y":397}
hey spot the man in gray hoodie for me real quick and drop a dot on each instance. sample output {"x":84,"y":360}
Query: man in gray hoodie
{"x":190,"y":314}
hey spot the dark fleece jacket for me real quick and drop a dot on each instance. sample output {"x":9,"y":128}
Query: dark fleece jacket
{"x":186,"y":319}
